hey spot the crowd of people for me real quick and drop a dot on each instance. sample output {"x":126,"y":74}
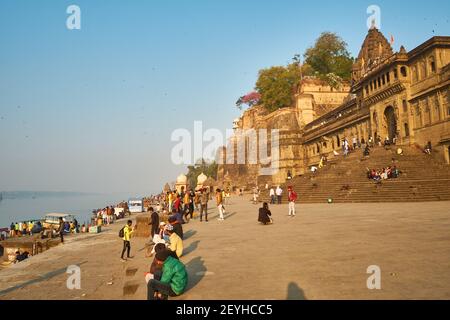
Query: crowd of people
{"x":348,"y":147}
{"x":19,"y":229}
{"x":185,"y":203}
{"x":167,"y":275}
{"x":107,"y":215}
{"x":264,"y":214}
{"x":383,"y":174}
{"x":22,"y":229}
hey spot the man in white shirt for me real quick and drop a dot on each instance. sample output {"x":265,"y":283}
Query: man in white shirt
{"x":279,"y":193}
{"x":272,"y":195}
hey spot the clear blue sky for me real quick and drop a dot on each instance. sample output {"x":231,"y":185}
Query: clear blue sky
{"x":93,"y":109}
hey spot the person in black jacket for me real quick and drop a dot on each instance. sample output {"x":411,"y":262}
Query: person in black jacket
{"x":177,"y":227}
{"x":265,"y":215}
{"x":154,"y":222}
{"x":61,"y":229}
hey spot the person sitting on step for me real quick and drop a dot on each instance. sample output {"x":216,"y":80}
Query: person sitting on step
{"x":173,"y":281}
{"x":155,"y":267}
{"x":175,"y":242}
{"x":428,"y":148}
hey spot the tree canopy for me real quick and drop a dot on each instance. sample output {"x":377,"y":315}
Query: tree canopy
{"x":276,"y":86}
{"x":329,"y":58}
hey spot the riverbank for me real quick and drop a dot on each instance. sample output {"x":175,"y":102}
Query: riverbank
{"x":323,"y":253}
{"x":80,"y":205}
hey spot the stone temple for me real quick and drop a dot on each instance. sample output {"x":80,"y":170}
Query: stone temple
{"x":396,"y":95}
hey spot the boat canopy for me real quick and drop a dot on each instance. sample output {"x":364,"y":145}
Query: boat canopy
{"x":58,"y":215}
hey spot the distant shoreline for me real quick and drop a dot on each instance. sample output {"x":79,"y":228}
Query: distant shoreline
{"x":11,"y":195}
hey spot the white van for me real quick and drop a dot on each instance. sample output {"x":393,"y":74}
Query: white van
{"x":135,"y":205}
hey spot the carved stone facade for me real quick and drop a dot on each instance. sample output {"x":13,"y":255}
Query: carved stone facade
{"x":403,"y":95}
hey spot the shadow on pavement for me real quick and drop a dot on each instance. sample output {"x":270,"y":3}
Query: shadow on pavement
{"x":226,"y":216}
{"x":295,"y":292}
{"x":191,"y":248}
{"x":41,"y":278}
{"x":196,"y":270}
{"x":189,"y":234}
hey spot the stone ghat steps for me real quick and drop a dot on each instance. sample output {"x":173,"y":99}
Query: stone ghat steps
{"x":438,"y":191}
{"x":361,"y":180}
{"x":361,"y":177}
{"x":376,"y":200}
{"x":344,"y":179}
{"x":391,"y":183}
{"x":394,"y":186}
{"x":374,"y":194}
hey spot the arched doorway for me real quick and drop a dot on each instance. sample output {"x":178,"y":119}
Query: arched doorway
{"x":391,"y":122}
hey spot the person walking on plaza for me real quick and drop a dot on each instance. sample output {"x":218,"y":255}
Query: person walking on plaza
{"x":177,"y":204}
{"x":197,"y":201}
{"x":186,"y":200}
{"x":187,"y":210}
{"x":204,"y":197}
{"x":61,"y":229}
{"x":279,"y":193}
{"x":272,"y":195}
{"x":219,"y":202}
{"x":173,"y":281}
{"x":154,"y":222}
{"x":292,"y":197}
{"x":170,"y":197}
{"x":191,"y":203}
{"x":255,"y":195}
{"x":127,"y":233}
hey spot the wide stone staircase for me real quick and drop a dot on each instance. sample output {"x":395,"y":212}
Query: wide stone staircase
{"x":344,"y":179}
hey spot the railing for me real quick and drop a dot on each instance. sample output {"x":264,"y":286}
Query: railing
{"x":350,"y":117}
{"x":334,"y":115}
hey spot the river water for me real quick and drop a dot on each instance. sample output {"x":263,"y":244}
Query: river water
{"x":23,"y":209}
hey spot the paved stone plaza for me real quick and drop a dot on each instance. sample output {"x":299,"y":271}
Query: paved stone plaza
{"x":323,"y":253}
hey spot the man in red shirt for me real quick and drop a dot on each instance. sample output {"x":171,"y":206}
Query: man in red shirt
{"x":292,"y":197}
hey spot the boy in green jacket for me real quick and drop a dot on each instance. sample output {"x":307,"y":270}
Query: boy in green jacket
{"x":173,"y":281}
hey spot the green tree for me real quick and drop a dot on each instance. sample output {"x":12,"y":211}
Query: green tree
{"x":201,"y":166}
{"x":329,"y":59}
{"x":276,"y":86}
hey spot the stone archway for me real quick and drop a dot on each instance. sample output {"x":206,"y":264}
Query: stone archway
{"x":391,"y":122}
